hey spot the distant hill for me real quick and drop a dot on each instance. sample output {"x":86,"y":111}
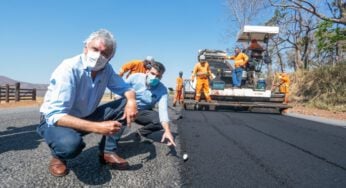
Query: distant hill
{"x":40,"y":88}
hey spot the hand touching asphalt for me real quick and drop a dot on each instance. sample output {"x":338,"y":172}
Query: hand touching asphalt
{"x":170,"y":140}
{"x":130,"y":112}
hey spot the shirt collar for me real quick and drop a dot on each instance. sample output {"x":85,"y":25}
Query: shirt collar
{"x":83,"y":58}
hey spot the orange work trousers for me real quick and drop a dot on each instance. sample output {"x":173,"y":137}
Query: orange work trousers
{"x":202,"y":84}
{"x":178,"y":97}
{"x":284,"y":88}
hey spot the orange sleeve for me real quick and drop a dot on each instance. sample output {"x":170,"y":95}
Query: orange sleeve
{"x":126,"y":67}
{"x":134,"y":66}
{"x":208,"y":70}
{"x":246,"y":58}
{"x":285,"y":79}
{"x":179,"y":83}
{"x":194,"y":72}
{"x":231,"y":57}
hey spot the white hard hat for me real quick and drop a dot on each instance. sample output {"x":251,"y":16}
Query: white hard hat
{"x":150,"y":58}
{"x":202,"y":57}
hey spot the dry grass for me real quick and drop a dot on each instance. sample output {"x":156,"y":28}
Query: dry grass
{"x":323,"y":88}
{"x":312,"y":111}
{"x":26,"y":103}
{"x":39,"y":101}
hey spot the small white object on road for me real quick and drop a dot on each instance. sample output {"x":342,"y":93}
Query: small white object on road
{"x":185,"y":157}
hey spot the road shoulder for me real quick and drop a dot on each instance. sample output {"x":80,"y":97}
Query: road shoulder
{"x":335,"y":122}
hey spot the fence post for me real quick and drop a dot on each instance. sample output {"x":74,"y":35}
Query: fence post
{"x":17,"y":92}
{"x":34,"y":94}
{"x":7,"y":94}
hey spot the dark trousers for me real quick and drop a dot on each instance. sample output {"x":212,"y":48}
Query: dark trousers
{"x":67,"y":143}
{"x":150,"y":121}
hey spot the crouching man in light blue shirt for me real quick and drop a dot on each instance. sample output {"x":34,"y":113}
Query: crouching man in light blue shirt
{"x":150,"y":91}
{"x":70,"y":108}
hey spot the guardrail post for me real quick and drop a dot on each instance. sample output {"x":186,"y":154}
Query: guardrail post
{"x":0,"y":94}
{"x":7,"y":93}
{"x":17,"y":92}
{"x":34,"y":94}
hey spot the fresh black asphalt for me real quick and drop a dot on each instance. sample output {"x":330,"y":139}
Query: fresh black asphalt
{"x":225,"y":149}
{"x":241,"y":149}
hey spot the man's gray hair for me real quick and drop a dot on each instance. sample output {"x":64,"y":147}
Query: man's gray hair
{"x":159,"y":67}
{"x":107,"y":38}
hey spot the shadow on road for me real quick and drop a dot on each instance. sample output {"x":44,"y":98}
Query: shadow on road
{"x":90,"y":171}
{"x":129,"y":146}
{"x":21,"y":138}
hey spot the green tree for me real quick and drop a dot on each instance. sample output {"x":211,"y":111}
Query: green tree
{"x":329,"y":36}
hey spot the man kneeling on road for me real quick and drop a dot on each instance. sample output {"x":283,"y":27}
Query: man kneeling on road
{"x":150,"y":91}
{"x":70,"y":107}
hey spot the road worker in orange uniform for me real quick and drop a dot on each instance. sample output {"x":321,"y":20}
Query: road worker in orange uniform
{"x":240,"y":61}
{"x":284,"y":85}
{"x":136,"y":66}
{"x":255,"y":46}
{"x":202,"y":72}
{"x":178,"y":89}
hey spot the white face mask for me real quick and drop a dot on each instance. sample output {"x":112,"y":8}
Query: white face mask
{"x":95,"y":61}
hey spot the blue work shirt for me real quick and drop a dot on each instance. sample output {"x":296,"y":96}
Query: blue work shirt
{"x":147,"y":97}
{"x":72,"y":90}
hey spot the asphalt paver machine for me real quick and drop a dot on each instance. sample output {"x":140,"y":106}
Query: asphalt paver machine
{"x":254,"y":93}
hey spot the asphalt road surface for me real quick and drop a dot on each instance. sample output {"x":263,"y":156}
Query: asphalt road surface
{"x":241,"y":149}
{"x":24,"y":157}
{"x":225,"y":148}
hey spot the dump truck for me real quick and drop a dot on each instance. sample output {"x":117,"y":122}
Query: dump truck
{"x":254,"y":93}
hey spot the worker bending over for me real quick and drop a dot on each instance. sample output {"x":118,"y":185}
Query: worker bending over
{"x":178,"y":90}
{"x":284,"y":85}
{"x":202,"y":72}
{"x":136,"y":66}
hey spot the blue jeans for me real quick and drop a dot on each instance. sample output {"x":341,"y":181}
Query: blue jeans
{"x":67,"y":143}
{"x":237,"y":76}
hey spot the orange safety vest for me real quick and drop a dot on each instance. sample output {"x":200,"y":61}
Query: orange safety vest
{"x":201,"y":71}
{"x":179,"y":84}
{"x":240,"y":60}
{"x":284,"y":83}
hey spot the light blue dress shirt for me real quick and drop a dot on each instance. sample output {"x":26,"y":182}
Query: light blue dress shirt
{"x":147,"y":97}
{"x":73,"y":91}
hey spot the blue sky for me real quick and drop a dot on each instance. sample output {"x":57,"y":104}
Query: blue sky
{"x":37,"y":35}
